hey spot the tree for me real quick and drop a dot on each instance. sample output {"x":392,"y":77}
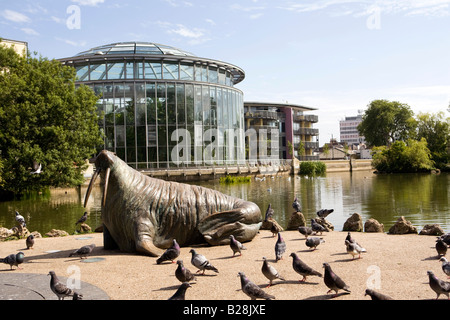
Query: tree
{"x":385,"y":122}
{"x":44,"y":118}
{"x":436,"y":130}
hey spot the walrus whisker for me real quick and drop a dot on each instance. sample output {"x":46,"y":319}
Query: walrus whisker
{"x":91,"y":183}
{"x":105,"y":189}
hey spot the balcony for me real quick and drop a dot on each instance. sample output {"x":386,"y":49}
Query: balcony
{"x":307,"y":131}
{"x":308,"y":118}
{"x":273,"y":115}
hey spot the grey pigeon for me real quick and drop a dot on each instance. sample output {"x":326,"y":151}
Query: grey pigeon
{"x":77,"y":296}
{"x":236,"y":246}
{"x":352,"y":240}
{"x":445,"y":266}
{"x":170,"y":254}
{"x":20,"y":219}
{"x":30,"y":241}
{"x":252,"y":290}
{"x":59,"y":288}
{"x":201,"y":263}
{"x":14,"y":259}
{"x":438,"y":286}
{"x":269,"y":212}
{"x":333,"y":281}
{"x":323,"y":213}
{"x":280,"y":247}
{"x":302,"y":268}
{"x":446,"y":238}
{"x":270,"y":272}
{"x":376,"y":295}
{"x":304,"y":230}
{"x":37,"y":168}
{"x":296,"y":205}
{"x":183,"y":274}
{"x":180,"y":294}
{"x":82,"y":219}
{"x":317,"y":227}
{"x":84,"y":251}
{"x":313,"y":242}
{"x":353,"y":248}
{"x":441,"y":247}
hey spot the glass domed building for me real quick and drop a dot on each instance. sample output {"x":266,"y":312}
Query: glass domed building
{"x":164,"y":107}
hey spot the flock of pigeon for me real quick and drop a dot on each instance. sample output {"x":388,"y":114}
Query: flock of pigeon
{"x":58,"y":288}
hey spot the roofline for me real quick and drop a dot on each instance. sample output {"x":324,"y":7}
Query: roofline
{"x":276,"y":104}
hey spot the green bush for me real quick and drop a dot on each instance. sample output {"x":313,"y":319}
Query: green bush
{"x":234,"y":179}
{"x":313,"y":168}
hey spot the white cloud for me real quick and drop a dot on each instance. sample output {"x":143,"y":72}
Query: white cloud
{"x":91,"y":3}
{"x":72,"y":43}
{"x":187,"y":32}
{"x":30,"y":31}
{"x":15,"y":16}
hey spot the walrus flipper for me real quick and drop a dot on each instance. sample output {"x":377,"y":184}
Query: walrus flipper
{"x":144,"y":241}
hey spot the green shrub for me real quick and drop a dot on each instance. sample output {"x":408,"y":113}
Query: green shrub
{"x":234,"y":179}
{"x":313,"y":168}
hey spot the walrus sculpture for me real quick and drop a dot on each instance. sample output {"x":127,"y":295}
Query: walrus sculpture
{"x":143,"y":214}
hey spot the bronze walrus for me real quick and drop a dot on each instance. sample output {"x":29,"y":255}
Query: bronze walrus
{"x":144,"y":214}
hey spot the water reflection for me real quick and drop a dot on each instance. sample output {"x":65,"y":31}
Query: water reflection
{"x":421,"y":198}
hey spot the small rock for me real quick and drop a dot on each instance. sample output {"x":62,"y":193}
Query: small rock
{"x":5,"y":233}
{"x":432,"y":230}
{"x":297,"y":220}
{"x":402,"y":226}
{"x":373,"y":225}
{"x":56,"y":233}
{"x":354,"y":223}
{"x":84,"y":228}
{"x":325,"y":223}
{"x":267,"y":225}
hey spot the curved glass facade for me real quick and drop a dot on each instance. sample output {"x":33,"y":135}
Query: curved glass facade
{"x":163,"y":107}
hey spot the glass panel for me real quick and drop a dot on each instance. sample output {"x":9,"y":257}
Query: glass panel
{"x":170,"y":70}
{"x":121,"y":49}
{"x":129,"y":70}
{"x":161,"y":104}
{"x":98,"y":71}
{"x":139,"y":70}
{"x":109,"y":137}
{"x":98,"y":89}
{"x":171,"y":108}
{"x":221,"y":76}
{"x":219,"y":107}
{"x":140,"y":104}
{"x":189,"y":104}
{"x":109,"y":114}
{"x":152,"y":155}
{"x":150,"y":49}
{"x":213,"y":77}
{"x":198,"y":103}
{"x":198,"y":72}
{"x":151,"y":136}
{"x":152,"y":70}
{"x":213,"y":103}
{"x":116,"y":71}
{"x":131,"y":156}
{"x":120,"y":136}
{"x":162,"y":142}
{"x":131,"y":139}
{"x":151,"y":103}
{"x":181,"y":113}
{"x":186,"y":72}
{"x":120,"y":153}
{"x":206,"y":105}
{"x":142,"y":157}
{"x":83,"y":73}
{"x":141,"y":136}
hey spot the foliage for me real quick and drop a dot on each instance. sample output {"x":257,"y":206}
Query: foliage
{"x":385,"y":122}
{"x":44,"y":118}
{"x":410,"y":156}
{"x":312,"y":168}
{"x":436,"y":130}
{"x":234,"y":179}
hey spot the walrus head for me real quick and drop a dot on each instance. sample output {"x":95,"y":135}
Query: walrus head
{"x":104,"y":161}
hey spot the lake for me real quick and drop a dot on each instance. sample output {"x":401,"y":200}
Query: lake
{"x":421,"y":198}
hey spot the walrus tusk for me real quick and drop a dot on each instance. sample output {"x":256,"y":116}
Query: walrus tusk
{"x":105,"y":189}
{"x":88,"y":192}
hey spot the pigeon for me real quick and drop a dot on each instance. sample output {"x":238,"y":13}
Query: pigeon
{"x":20,"y":219}
{"x":180,"y":294}
{"x":302,"y":268}
{"x":351,"y":239}
{"x":316,"y":227}
{"x":252,"y":290}
{"x":30,"y":241}
{"x":376,"y":295}
{"x":354,"y":249}
{"x":304,"y":230}
{"x":446,"y":238}
{"x":14,"y":259}
{"x":441,"y":247}
{"x":236,"y":246}
{"x":183,"y":274}
{"x":270,"y":272}
{"x":82,"y":219}
{"x":83,"y":251}
{"x":269,"y":212}
{"x":275,"y":228}
{"x":296,"y":205}
{"x":323,"y":213}
{"x":170,"y":254}
{"x":59,"y":288}
{"x":280,"y":248}
{"x":445,"y":266}
{"x":77,"y":296}
{"x":333,"y":281}
{"x":313,"y":242}
{"x":438,"y":286}
{"x":201,"y":263}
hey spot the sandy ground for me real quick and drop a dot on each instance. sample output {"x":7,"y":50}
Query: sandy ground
{"x":394,"y":264}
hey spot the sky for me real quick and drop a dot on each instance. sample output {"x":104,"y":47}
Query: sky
{"x":333,"y":55}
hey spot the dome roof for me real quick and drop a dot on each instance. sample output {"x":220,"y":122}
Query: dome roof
{"x":141,"y":48}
